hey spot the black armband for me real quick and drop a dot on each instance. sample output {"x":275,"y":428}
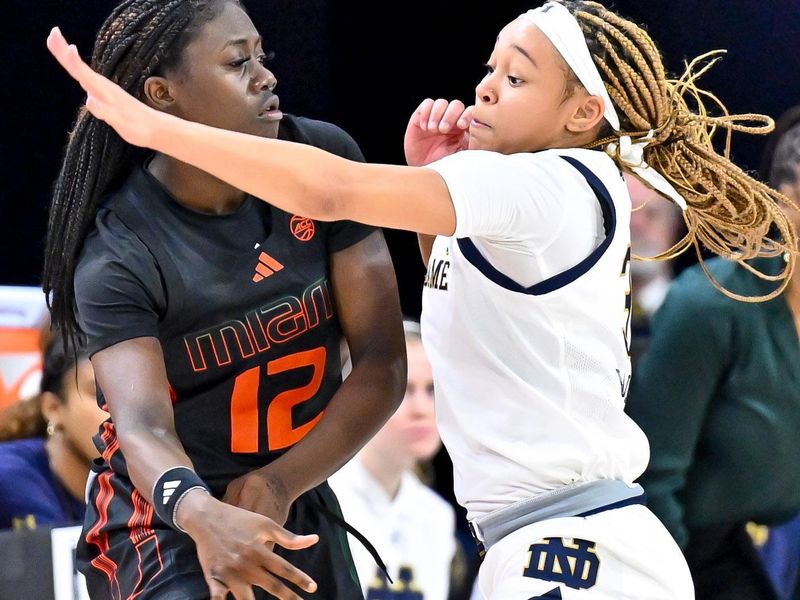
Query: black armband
{"x":169,"y":490}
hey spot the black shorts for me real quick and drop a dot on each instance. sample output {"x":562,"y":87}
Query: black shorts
{"x":127,"y":553}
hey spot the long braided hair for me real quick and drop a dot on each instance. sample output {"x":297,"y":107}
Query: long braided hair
{"x":140,"y":39}
{"x":729,"y":212}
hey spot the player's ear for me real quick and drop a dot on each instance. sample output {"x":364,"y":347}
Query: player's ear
{"x":52,"y":409}
{"x":587,"y":114}
{"x":158,"y":93}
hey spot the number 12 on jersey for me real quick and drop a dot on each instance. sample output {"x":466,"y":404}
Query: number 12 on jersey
{"x":281,"y":432}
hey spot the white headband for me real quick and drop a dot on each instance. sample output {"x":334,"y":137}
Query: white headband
{"x":561,"y":28}
{"x":564,"y":32}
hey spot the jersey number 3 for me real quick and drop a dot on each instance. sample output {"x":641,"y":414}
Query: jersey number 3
{"x":281,"y":432}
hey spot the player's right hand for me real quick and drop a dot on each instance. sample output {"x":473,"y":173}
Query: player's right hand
{"x":437,"y":129}
{"x":232,"y":547}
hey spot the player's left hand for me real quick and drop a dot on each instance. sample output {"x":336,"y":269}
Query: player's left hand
{"x":260,"y":492}
{"x":437,"y":129}
{"x":133,"y":120}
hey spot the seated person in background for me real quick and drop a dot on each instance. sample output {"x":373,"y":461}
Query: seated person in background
{"x":779,"y":545}
{"x":411,"y":527}
{"x":718,"y":395}
{"x":46,"y":444}
{"x":655,"y":227}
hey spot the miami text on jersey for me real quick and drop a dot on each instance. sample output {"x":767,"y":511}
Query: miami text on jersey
{"x":274,"y":323}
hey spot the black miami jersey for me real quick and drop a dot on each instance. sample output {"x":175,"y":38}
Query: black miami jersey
{"x":242,"y":306}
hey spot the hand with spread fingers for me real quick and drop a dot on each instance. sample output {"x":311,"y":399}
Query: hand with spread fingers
{"x":437,"y":129}
{"x":234,"y":549}
{"x":133,"y":120}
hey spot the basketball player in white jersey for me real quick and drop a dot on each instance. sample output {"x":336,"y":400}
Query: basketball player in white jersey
{"x":526,"y":299}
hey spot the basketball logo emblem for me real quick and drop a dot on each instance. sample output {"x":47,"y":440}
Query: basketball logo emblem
{"x":303,"y":228}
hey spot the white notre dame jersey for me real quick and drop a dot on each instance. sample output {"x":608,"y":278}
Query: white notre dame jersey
{"x":525,"y":321}
{"x":414,"y":533}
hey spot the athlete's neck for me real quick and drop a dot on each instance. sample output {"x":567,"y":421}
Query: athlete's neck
{"x":68,"y":465}
{"x":386,"y":471}
{"x":195,"y":188}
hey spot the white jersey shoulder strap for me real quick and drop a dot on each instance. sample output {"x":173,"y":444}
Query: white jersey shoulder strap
{"x":473,"y":255}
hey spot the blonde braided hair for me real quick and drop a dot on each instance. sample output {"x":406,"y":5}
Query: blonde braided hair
{"x":728,"y":212}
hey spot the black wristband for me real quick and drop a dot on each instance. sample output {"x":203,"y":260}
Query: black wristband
{"x":170,"y":489}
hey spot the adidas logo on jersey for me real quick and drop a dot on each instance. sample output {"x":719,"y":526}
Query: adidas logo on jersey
{"x":266,"y":267}
{"x":169,"y":489}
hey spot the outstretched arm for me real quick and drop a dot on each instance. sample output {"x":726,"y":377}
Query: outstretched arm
{"x":293,"y":177}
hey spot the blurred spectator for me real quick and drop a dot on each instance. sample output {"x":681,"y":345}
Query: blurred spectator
{"x":655,"y":225}
{"x":779,"y":546}
{"x":718,"y":394}
{"x":46,"y":444}
{"x":779,"y":549}
{"x":382,"y":496}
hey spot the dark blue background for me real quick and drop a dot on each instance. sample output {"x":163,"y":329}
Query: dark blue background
{"x":364,"y":66}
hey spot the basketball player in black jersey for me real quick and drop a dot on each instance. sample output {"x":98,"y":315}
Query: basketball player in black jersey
{"x":214,"y":321}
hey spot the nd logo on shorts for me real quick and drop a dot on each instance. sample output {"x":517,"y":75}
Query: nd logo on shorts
{"x":302,"y":228}
{"x":572,"y":562}
{"x":405,"y":588}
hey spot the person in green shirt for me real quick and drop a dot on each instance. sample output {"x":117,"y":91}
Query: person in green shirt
{"x":718,"y":395}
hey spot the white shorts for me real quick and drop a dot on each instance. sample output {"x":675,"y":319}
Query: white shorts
{"x":621,"y":554}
